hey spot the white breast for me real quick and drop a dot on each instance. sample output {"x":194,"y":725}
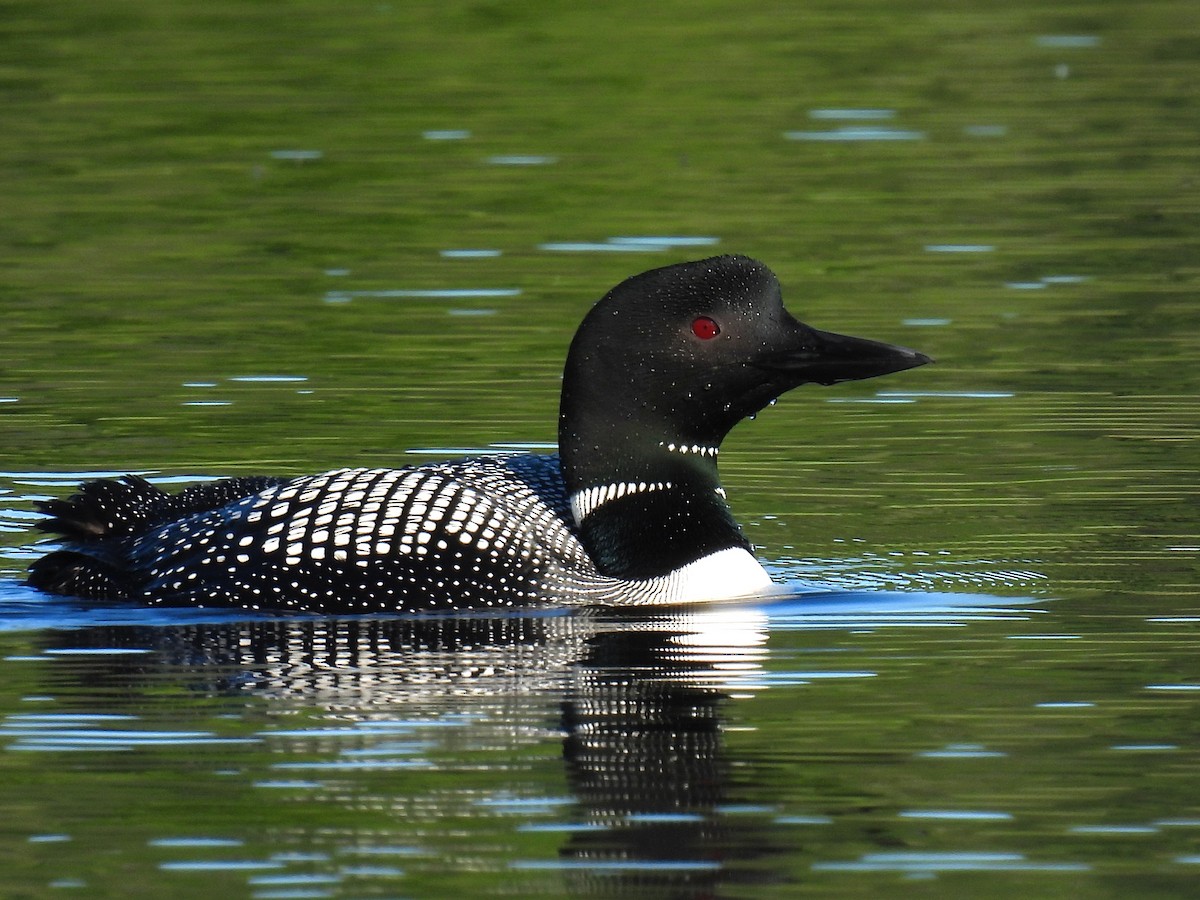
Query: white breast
{"x":719,"y":576}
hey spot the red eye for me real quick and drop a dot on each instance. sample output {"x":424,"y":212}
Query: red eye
{"x":705,"y":328}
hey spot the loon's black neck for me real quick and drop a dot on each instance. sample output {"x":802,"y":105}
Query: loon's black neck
{"x":643,"y":506}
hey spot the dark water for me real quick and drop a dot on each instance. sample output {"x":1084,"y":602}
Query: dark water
{"x":232,"y":242}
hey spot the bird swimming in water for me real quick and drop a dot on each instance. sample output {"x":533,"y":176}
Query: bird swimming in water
{"x":629,"y":512}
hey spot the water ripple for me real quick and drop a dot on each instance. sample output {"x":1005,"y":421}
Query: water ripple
{"x":947,"y":862}
{"x":857,"y":133}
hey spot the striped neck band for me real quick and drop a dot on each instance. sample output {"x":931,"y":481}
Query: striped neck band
{"x":587,"y":501}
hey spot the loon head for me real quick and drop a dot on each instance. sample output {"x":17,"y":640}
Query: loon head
{"x":683,"y":353}
{"x":667,"y":362}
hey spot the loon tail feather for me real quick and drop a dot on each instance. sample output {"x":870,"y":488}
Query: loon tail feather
{"x":77,"y":573}
{"x":115,"y":509}
{"x":102,"y":518}
{"x":104,"y":510}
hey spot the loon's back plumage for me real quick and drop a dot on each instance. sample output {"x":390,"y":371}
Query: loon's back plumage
{"x":660,"y":370}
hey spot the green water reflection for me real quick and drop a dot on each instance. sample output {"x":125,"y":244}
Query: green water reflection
{"x":204,"y":203}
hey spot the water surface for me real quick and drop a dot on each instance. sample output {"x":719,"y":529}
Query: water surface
{"x":254,"y":239}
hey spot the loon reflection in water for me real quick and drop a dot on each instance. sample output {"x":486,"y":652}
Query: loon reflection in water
{"x":631,"y":512}
{"x":641,"y":703}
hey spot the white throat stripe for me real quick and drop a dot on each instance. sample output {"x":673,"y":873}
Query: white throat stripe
{"x":585,"y":502}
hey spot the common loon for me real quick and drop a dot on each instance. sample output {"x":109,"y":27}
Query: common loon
{"x":631,"y":511}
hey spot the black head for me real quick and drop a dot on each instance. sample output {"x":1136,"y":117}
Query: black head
{"x":683,"y":353}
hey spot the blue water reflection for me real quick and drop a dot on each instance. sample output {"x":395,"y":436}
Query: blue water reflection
{"x":852,"y":114}
{"x":959,"y":248}
{"x":856,"y":133}
{"x":947,"y":862}
{"x":424,"y":294}
{"x":1067,"y":41}
{"x":469,"y":254}
{"x":519,"y":160}
{"x":297,"y":156}
{"x":628,"y":244}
